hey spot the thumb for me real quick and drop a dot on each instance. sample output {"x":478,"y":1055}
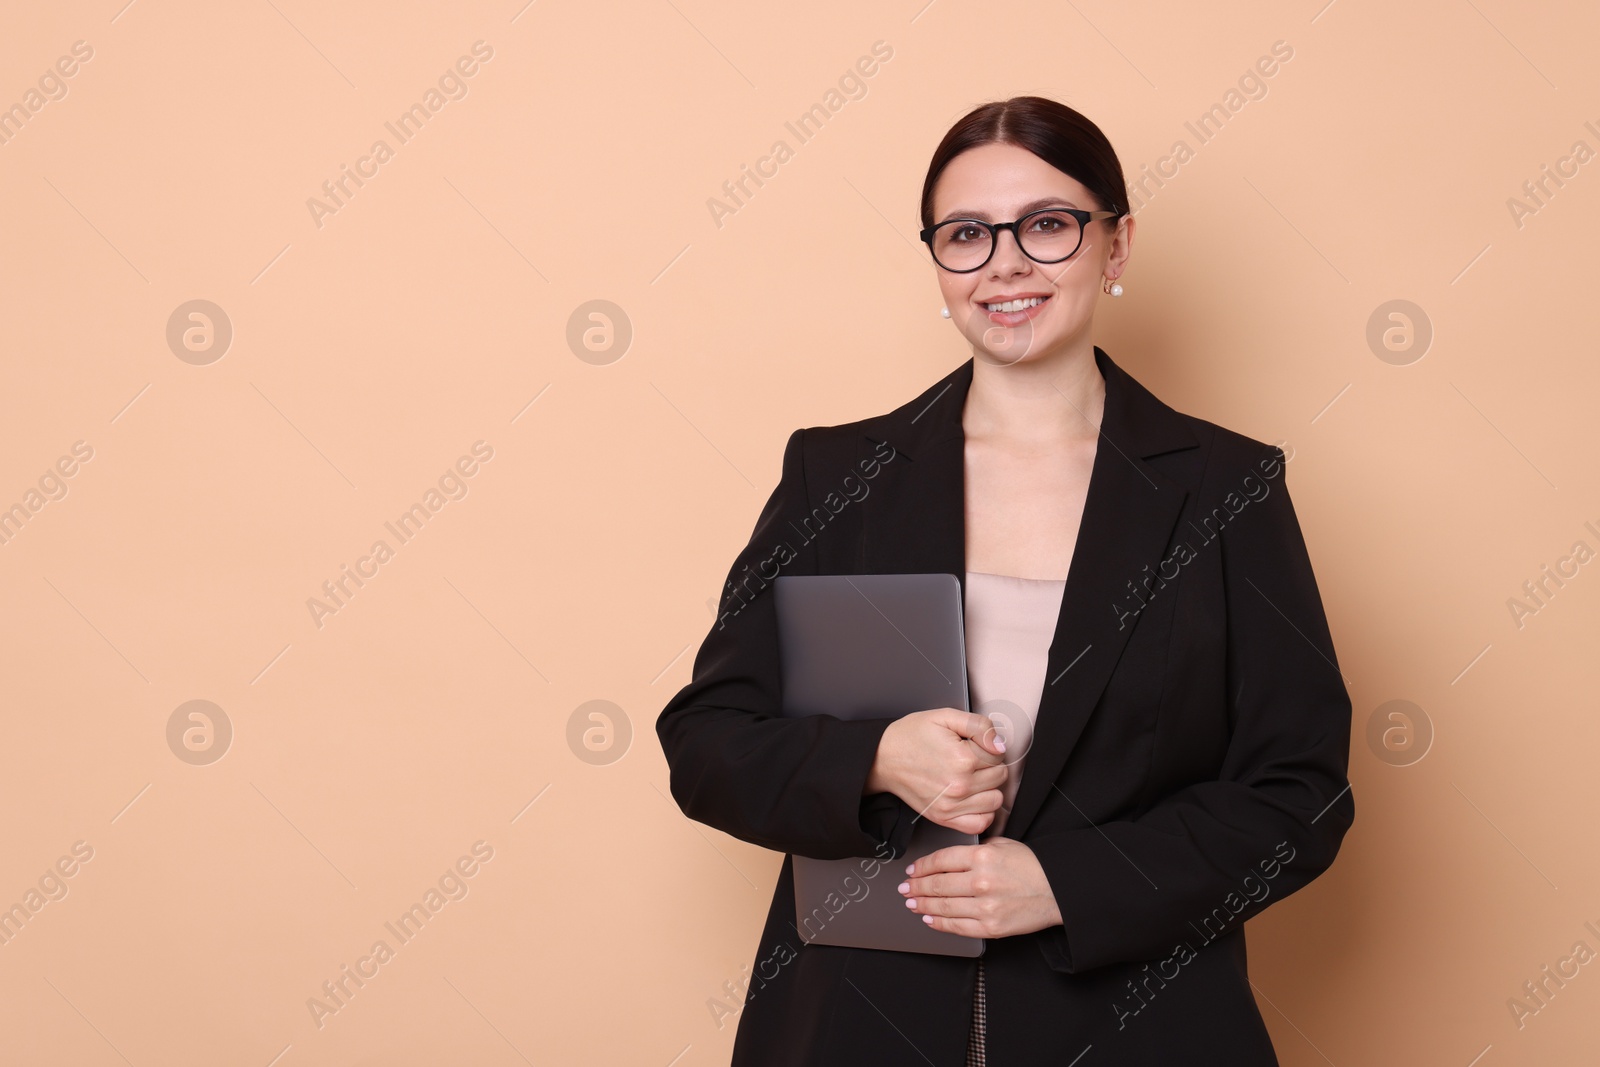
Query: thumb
{"x":979,"y":729}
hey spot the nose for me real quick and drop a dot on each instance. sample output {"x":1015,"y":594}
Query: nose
{"x":1008,"y":256}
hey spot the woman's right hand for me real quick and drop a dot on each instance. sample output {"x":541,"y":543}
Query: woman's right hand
{"x":948,"y":764}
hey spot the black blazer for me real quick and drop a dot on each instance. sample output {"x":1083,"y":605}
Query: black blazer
{"x":1187,"y":770}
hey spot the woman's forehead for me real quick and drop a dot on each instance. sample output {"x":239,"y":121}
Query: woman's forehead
{"x":1002,"y":177}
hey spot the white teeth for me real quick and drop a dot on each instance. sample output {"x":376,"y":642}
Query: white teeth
{"x":1016,"y":305}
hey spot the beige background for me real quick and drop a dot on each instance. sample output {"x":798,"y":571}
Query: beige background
{"x":438,"y":707}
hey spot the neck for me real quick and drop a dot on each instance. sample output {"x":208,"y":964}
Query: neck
{"x":1056,"y":397}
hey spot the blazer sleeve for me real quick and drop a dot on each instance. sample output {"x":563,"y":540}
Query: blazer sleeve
{"x":1133,"y":890}
{"x":791,"y":785}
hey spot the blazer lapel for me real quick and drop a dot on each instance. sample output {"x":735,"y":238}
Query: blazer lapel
{"x":919,"y":525}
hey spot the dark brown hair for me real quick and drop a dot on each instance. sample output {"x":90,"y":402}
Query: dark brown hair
{"x":1050,"y":130}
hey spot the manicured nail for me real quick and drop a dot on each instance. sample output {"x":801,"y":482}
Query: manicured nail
{"x":911,"y":902}
{"x":1000,"y":743}
{"x":928,"y":919}
{"x":905,"y":887}
{"x":911,"y":869}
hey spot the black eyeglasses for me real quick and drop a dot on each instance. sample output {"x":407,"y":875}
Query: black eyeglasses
{"x":1047,"y":236}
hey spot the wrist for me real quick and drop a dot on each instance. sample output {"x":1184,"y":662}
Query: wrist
{"x":876,"y":782}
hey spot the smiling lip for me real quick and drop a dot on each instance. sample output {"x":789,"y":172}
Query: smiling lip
{"x":1013,"y":296}
{"x":1015,"y":318}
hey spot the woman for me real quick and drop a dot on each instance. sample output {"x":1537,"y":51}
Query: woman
{"x":1135,"y":586}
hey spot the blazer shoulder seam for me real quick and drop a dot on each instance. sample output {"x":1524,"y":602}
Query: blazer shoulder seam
{"x":805,"y":482}
{"x":1229,"y":454}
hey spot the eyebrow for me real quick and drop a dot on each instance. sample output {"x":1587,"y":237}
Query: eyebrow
{"x":1032,"y":205}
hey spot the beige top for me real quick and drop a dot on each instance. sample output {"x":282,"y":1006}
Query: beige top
{"x":1010,"y":623}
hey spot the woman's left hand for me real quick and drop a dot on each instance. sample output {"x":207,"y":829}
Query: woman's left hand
{"x":992,"y":889}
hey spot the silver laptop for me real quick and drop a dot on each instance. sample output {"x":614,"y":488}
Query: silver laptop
{"x":867,"y":646}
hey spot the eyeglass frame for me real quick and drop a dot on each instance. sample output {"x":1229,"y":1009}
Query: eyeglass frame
{"x":994,"y":228}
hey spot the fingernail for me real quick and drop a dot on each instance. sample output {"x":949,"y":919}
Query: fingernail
{"x":905,"y":887}
{"x":1000,"y":743}
{"x":928,"y":919}
{"x":911,"y":902}
{"x":911,"y":869}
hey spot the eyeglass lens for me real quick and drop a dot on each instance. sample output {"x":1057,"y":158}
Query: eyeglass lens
{"x":1048,"y":237}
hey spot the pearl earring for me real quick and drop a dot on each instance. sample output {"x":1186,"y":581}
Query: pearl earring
{"x":1108,"y":286}
{"x":945,"y":312}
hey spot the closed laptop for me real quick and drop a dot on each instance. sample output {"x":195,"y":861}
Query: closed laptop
{"x":869,"y":646}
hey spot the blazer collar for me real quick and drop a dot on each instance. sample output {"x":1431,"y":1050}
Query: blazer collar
{"x":919,"y":525}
